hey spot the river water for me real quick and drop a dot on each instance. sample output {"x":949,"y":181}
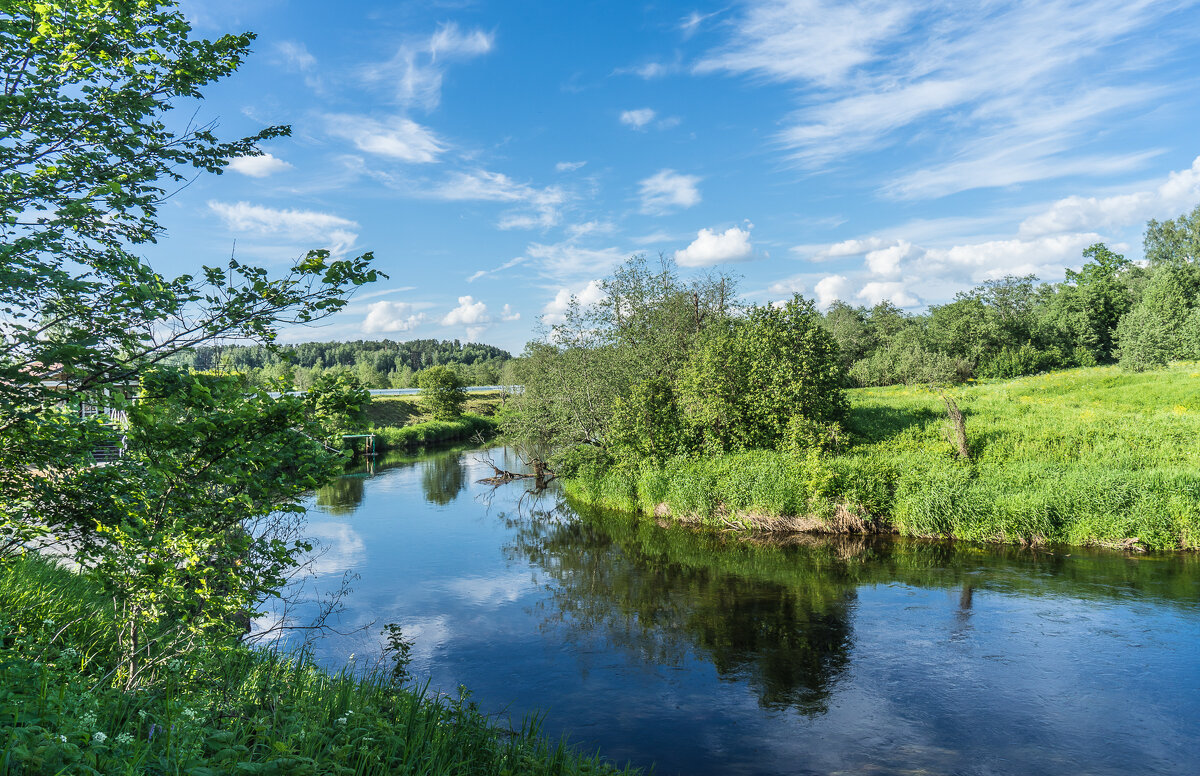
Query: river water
{"x":701,"y":653}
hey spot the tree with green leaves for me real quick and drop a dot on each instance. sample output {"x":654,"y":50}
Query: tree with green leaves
{"x":181,"y":531}
{"x":442,"y":392}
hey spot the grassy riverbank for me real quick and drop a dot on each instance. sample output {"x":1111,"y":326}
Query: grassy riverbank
{"x":234,"y":711}
{"x":1094,"y":456}
{"x":402,"y":423}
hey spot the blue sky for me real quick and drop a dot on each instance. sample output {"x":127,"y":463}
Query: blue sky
{"x":499,"y":157}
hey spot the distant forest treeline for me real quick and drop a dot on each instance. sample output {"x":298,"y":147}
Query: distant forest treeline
{"x":378,"y":364}
{"x":1111,"y":310}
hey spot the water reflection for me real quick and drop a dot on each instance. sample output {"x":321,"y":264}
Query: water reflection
{"x":789,"y":643}
{"x":712,"y":653}
{"x":443,"y":477}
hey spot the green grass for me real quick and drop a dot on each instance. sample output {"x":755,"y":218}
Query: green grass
{"x":236,"y":711}
{"x":1084,"y":456}
{"x":399,"y":411}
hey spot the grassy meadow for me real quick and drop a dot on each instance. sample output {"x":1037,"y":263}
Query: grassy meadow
{"x":1094,"y":456}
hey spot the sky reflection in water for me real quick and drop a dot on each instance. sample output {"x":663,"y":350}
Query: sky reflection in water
{"x":707,"y":654}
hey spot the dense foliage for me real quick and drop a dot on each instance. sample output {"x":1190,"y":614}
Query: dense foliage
{"x":1109,"y":311}
{"x":442,"y":392}
{"x":662,"y":367}
{"x":186,"y":527}
{"x":376,"y":364}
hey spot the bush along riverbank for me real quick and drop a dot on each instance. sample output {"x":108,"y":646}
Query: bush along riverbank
{"x":430,"y":432}
{"x":1093,"y":456}
{"x":232,"y":710}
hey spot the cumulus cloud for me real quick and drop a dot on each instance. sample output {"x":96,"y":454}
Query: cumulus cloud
{"x":396,"y":137}
{"x":417,"y":70}
{"x":886,"y":261}
{"x":1180,"y":191}
{"x":637,"y":119}
{"x":667,"y":190}
{"x":508,"y":314}
{"x":832,"y":288}
{"x":711,"y":247}
{"x":391,"y":317}
{"x":555,"y":310}
{"x":258,"y":166}
{"x":302,"y":226}
{"x":469,"y":312}
{"x":878,"y":291}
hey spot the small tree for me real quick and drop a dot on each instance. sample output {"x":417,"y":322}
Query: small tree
{"x":442,"y":392}
{"x":337,"y":401}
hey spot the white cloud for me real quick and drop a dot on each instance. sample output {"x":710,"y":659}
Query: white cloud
{"x":258,"y":166}
{"x":417,"y":70}
{"x":391,"y":317}
{"x":667,"y":189}
{"x":1179,"y":192}
{"x":555,"y":310}
{"x":565,"y":260}
{"x":637,"y":119}
{"x":996,"y":93}
{"x":878,"y":291}
{"x":468,"y":313}
{"x":886,"y":261}
{"x":396,"y":137}
{"x":542,"y":205}
{"x":788,"y":286}
{"x":832,"y":288}
{"x":303,"y":226}
{"x":854,"y":247}
{"x":296,"y":55}
{"x":711,"y":247}
{"x":569,"y":166}
{"x":508,"y":314}
{"x":976,"y":262}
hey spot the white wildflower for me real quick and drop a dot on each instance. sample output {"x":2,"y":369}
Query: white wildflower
{"x":124,"y":738}
{"x":340,"y":721}
{"x":190,"y":714}
{"x":89,"y":719}
{"x":63,"y":739}
{"x":99,"y":737}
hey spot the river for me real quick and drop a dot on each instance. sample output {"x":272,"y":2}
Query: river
{"x":702,"y":653}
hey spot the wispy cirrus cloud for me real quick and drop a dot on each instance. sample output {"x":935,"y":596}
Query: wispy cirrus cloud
{"x":537,"y":207}
{"x":301,"y":229}
{"x":415,"y":73}
{"x":667,"y":190}
{"x":997,"y":93}
{"x":395,"y":137}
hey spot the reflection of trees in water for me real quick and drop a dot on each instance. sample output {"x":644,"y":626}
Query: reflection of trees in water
{"x":443,"y":477}
{"x":789,"y":644}
{"x":343,"y":495}
{"x":777,"y":613}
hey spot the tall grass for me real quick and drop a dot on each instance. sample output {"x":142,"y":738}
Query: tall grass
{"x":430,"y":432}
{"x":234,"y":710}
{"x":1083,"y":456}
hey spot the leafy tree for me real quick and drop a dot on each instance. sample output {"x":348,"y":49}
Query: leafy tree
{"x":181,"y":530}
{"x":194,"y":528}
{"x":746,"y":384}
{"x":338,"y":401}
{"x":1175,"y":241}
{"x":442,"y":392}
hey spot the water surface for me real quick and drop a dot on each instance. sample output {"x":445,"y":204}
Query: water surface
{"x":707,"y":654}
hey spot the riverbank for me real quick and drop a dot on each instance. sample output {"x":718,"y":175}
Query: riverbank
{"x":231,"y":710}
{"x":1094,"y":456}
{"x":402,"y":423}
